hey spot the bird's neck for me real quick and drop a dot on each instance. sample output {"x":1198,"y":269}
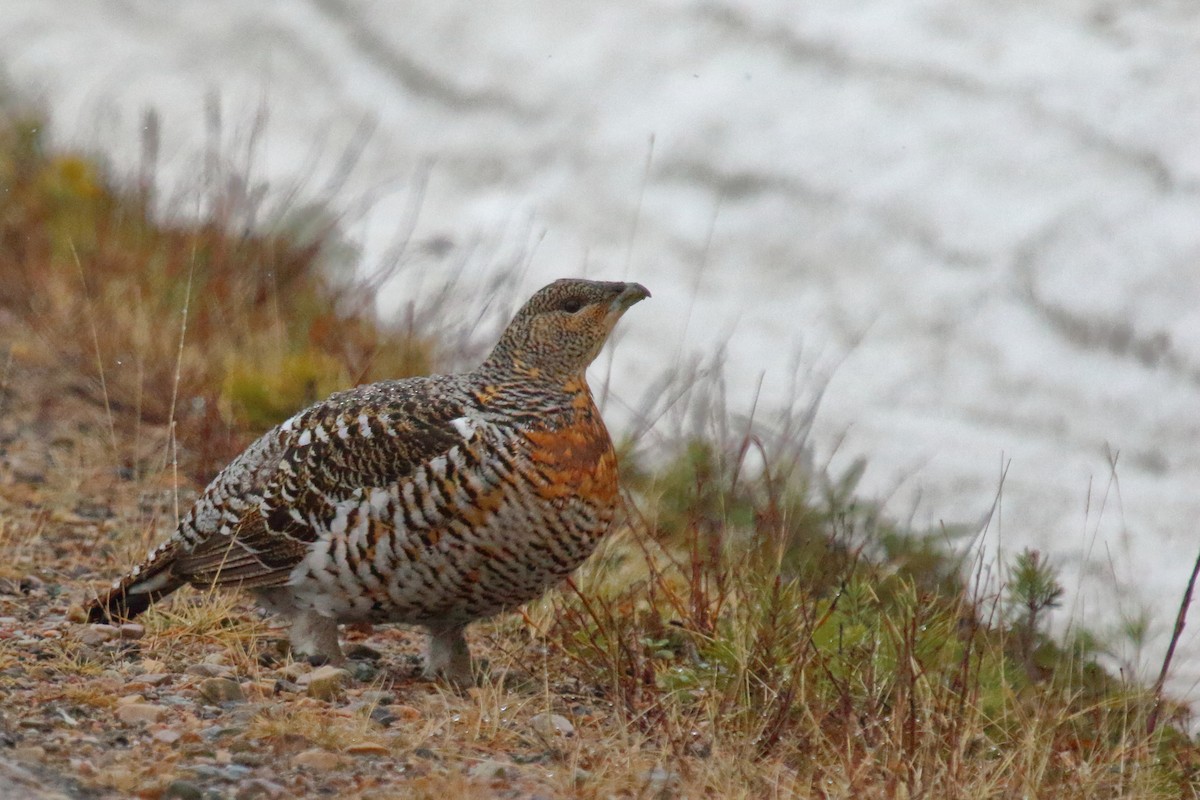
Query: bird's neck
{"x":530,"y":389}
{"x":507,"y":369}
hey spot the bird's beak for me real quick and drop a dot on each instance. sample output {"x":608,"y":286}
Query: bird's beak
{"x":632,"y":293}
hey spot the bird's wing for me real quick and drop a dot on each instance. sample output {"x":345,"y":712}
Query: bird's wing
{"x":330,"y":455}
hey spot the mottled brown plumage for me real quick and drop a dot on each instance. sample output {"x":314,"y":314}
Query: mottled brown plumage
{"x":428,"y":501}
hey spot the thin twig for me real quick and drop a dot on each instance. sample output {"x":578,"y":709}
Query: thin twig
{"x":1180,"y":621}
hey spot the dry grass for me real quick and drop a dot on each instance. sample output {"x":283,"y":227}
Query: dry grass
{"x":215,"y":327}
{"x":754,"y":630}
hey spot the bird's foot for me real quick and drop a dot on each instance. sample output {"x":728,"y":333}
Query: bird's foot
{"x":449,"y":658}
{"x":314,"y":639}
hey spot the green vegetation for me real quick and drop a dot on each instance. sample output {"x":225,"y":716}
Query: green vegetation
{"x":755,"y":629}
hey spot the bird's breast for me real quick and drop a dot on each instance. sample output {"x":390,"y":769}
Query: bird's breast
{"x":575,"y":459}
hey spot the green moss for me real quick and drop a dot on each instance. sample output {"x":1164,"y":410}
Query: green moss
{"x":261,"y":394}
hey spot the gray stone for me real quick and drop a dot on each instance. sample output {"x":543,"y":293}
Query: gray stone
{"x":549,"y":726}
{"x":98,"y":634}
{"x":229,"y":772}
{"x":363,"y":652}
{"x":141,"y":713}
{"x":384,"y":717}
{"x":182,"y":790}
{"x":249,"y":759}
{"x":259,"y":788}
{"x":326,"y":683}
{"x":131,"y":630}
{"x":364,"y":671}
{"x":492,"y":770}
{"x":150,"y":679}
{"x":209,"y":670}
{"x":295,"y":670}
{"x":660,"y":780}
{"x":220,"y":691}
{"x":376,"y":697}
{"x":316,"y":759}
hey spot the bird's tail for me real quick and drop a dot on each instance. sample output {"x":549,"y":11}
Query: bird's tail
{"x":144,"y":585}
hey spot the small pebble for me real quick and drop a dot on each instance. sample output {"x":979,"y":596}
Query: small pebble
{"x":248,"y":759}
{"x":377,"y":697}
{"x":364,"y":671}
{"x":220,"y":691}
{"x":141,"y":713}
{"x":214,"y":732}
{"x":316,"y":759}
{"x":97,"y":634}
{"x":232,"y":772}
{"x":325,"y":683}
{"x":29,"y":752}
{"x":132,"y":630}
{"x":384,"y":717}
{"x":492,"y":770}
{"x":209,"y":670}
{"x":363,"y":652}
{"x":149,"y":679}
{"x":269,"y":659}
{"x":549,"y":726}
{"x":182,"y":790}
{"x":259,"y":788}
{"x":295,"y":670}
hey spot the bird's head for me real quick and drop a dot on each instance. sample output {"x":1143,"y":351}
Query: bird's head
{"x":560,"y":330}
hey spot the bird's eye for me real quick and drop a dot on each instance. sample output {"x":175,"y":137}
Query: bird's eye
{"x":572,"y":305}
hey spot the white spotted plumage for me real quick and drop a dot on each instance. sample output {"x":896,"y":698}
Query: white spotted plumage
{"x":431,"y":501}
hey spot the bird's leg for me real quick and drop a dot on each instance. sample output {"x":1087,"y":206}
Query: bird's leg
{"x":315,"y":637}
{"x":448,"y":656}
